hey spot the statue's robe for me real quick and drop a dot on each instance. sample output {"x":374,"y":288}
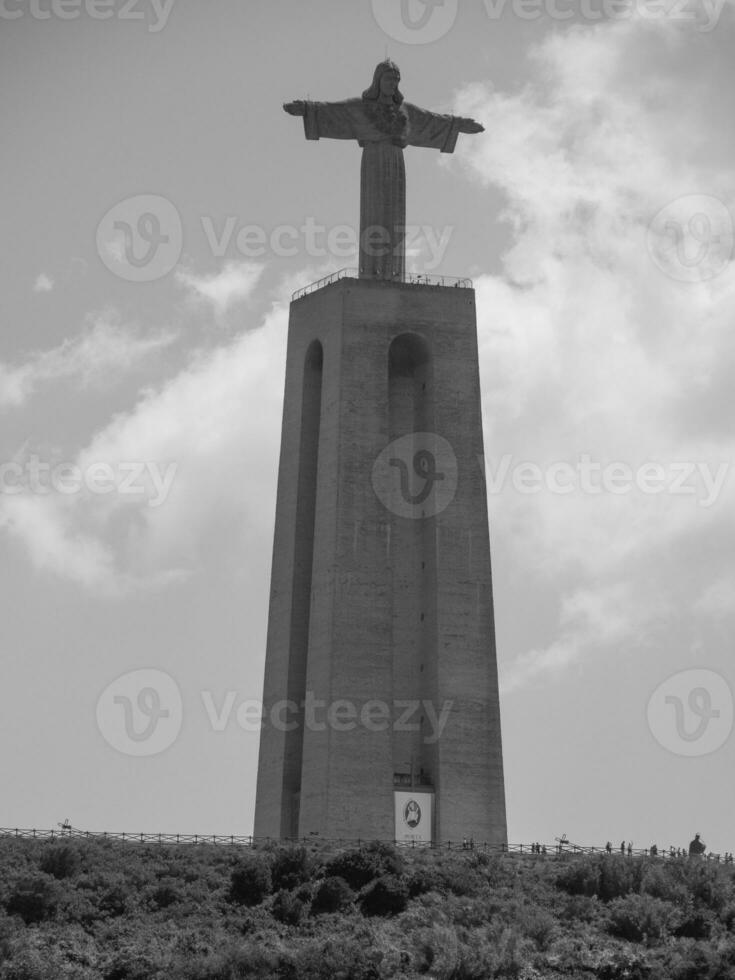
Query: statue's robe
{"x":382,"y":132}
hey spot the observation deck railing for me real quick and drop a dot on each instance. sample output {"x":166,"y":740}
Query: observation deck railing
{"x":412,"y":278}
{"x":561,"y":848}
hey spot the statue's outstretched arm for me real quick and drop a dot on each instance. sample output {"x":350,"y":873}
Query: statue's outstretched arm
{"x":437,"y":131}
{"x":331,"y":120}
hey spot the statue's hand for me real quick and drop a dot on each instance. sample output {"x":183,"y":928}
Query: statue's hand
{"x":297,"y":108}
{"x":470,"y":126}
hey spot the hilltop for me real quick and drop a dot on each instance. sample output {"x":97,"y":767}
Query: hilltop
{"x":96,"y":910}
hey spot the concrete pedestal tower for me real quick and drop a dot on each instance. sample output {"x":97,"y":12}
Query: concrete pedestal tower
{"x":381,"y":712}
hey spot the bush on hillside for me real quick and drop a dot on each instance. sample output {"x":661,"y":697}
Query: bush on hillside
{"x":387,"y":895}
{"x":333,"y":894}
{"x":250,"y":882}
{"x":290,"y":867}
{"x":61,"y":861}
{"x":360,"y":866}
{"x":34,"y":899}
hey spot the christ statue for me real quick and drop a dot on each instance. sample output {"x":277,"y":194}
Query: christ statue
{"x":383,"y":124}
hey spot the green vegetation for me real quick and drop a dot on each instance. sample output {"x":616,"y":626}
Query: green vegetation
{"x":101,"y":910}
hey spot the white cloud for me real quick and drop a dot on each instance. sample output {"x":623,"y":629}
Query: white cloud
{"x":104,"y":350}
{"x":587,"y":346}
{"x":217,"y":422}
{"x":43,"y":283}
{"x":225,"y":289}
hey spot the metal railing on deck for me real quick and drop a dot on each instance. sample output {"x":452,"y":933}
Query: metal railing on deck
{"x":412,"y":278}
{"x":559,"y":849}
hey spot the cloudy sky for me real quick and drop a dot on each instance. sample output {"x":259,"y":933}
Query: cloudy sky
{"x":158,"y":210}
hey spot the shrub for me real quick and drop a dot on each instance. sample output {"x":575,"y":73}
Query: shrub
{"x":582,"y":908}
{"x":290,"y":867}
{"x":115,"y":899}
{"x":250,"y":882}
{"x":639,"y":918}
{"x":696,"y":922}
{"x":659,"y":882}
{"x":288,"y":908}
{"x":422,"y":879}
{"x":333,"y":894}
{"x":361,"y":865}
{"x":579,"y":878}
{"x":233,"y":961}
{"x":692,"y":960}
{"x":165,"y":894}
{"x":34,"y":899}
{"x":727,"y":917}
{"x":34,"y":964}
{"x":538,"y":924}
{"x":619,"y":877}
{"x":61,"y":861}
{"x":387,"y":895}
{"x":340,"y":958}
{"x":622,"y":963}
{"x":131,"y":964}
{"x":708,"y":886}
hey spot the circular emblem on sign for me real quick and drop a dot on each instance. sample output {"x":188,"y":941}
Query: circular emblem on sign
{"x":412,"y":813}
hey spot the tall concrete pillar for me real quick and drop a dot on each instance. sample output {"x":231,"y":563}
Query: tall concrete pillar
{"x":381,"y":672}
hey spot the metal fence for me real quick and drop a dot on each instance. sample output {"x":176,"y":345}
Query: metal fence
{"x":412,"y":278}
{"x":561,"y":848}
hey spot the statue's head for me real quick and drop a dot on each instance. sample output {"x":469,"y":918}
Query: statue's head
{"x":386,"y":78}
